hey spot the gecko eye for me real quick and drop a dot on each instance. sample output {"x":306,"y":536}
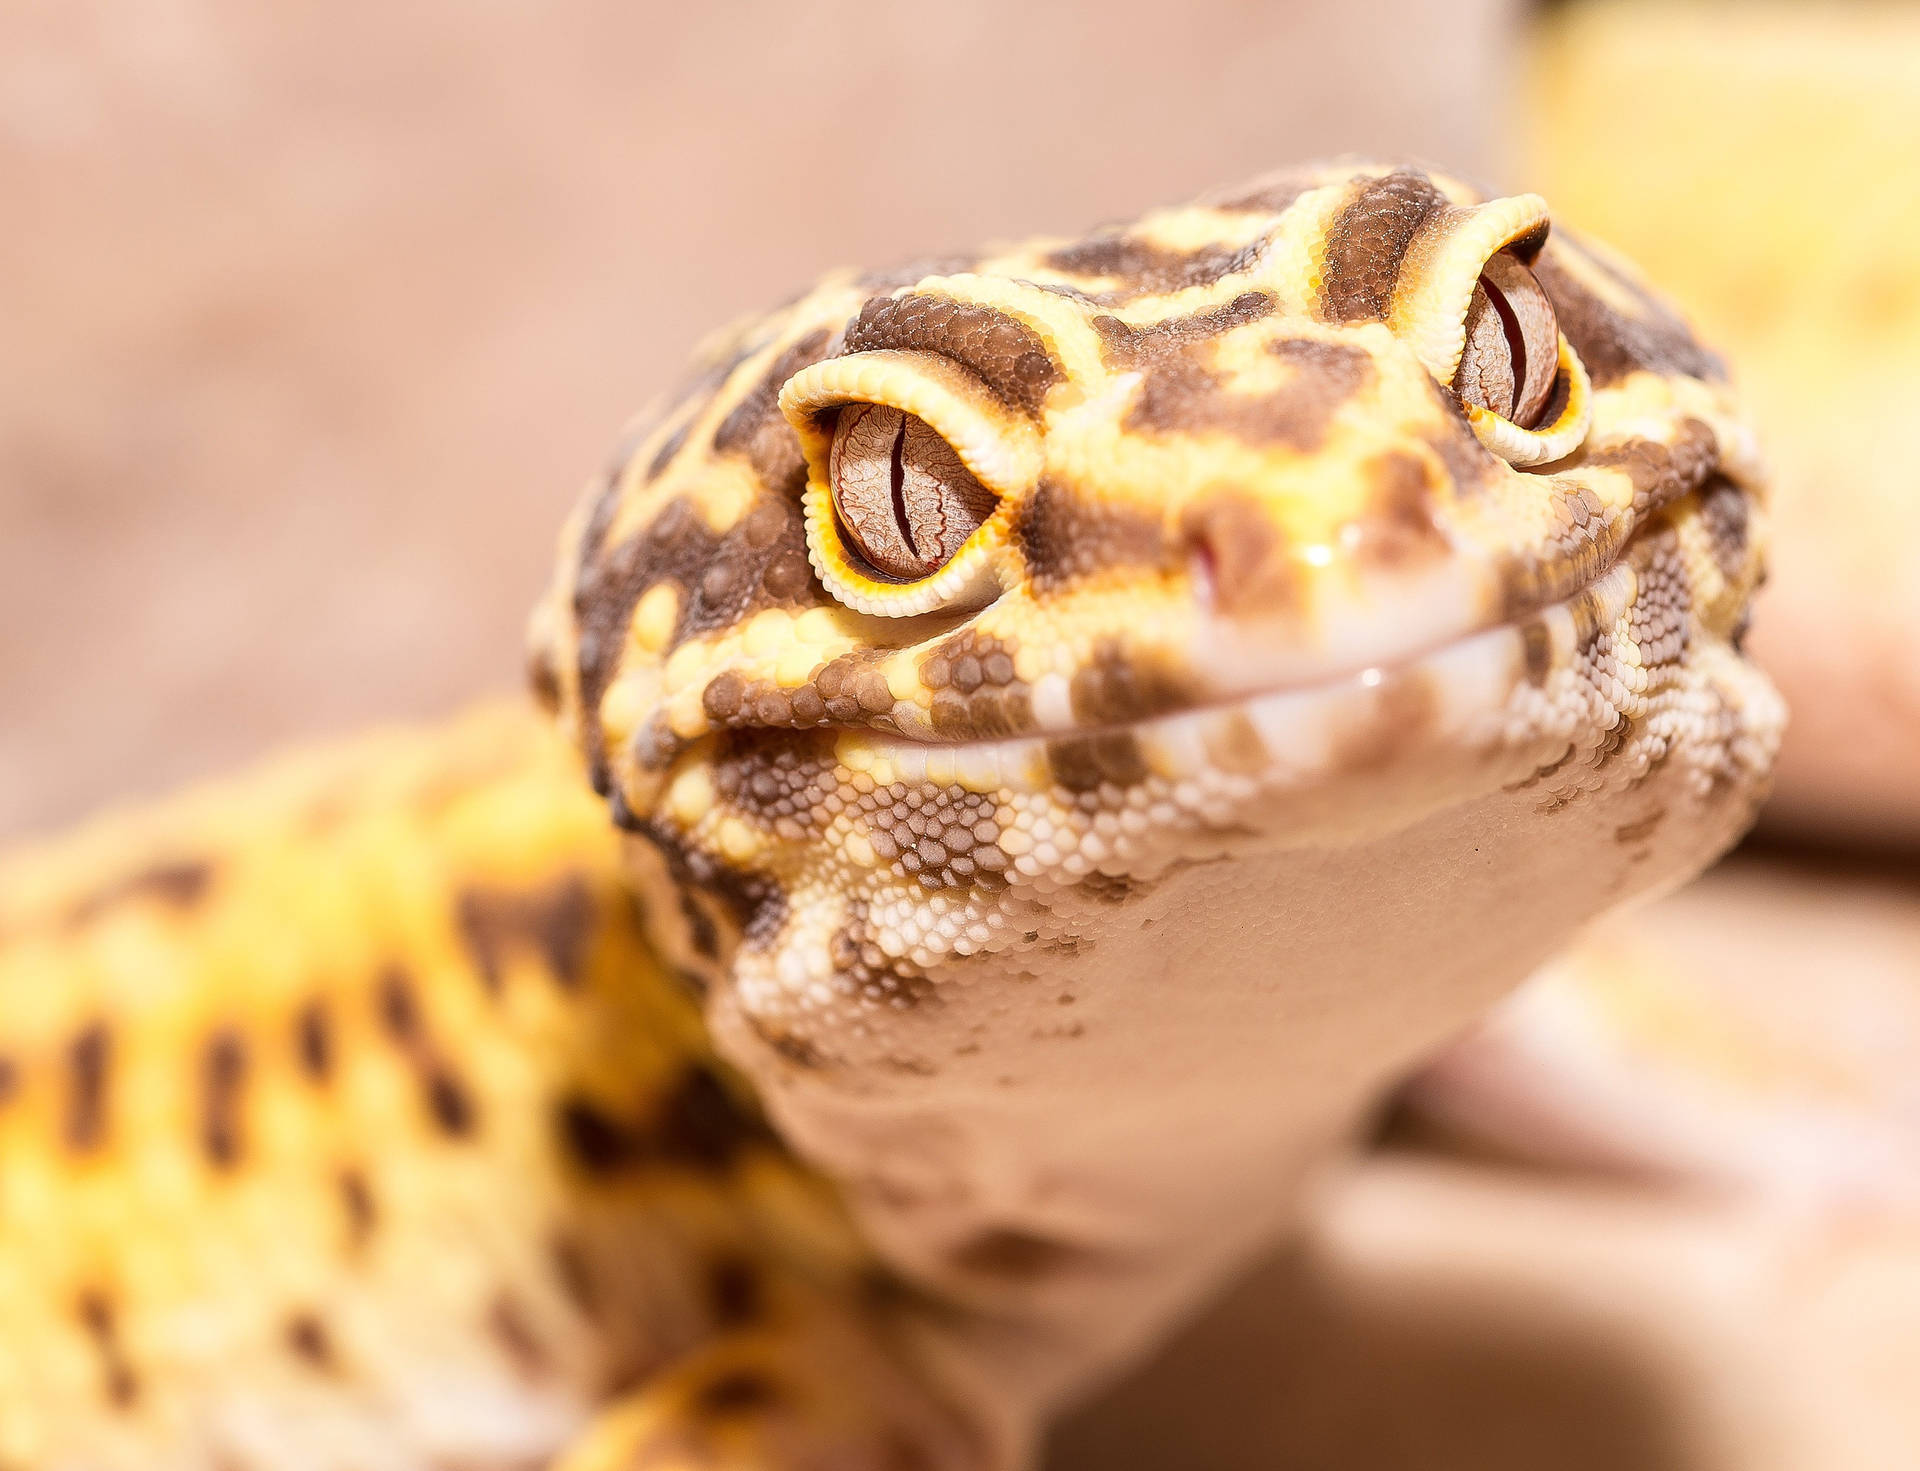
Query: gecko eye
{"x":900,"y":492}
{"x":1512,"y":349}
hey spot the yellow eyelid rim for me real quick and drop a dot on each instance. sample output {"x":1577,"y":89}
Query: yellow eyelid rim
{"x":999,"y":444}
{"x":971,"y":577}
{"x":1550,"y":442}
{"x":1430,"y":308}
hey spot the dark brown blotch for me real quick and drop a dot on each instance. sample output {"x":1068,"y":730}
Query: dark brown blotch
{"x":1007,"y":354}
{"x":357,"y":1205}
{"x":736,"y":1295}
{"x":1116,"y":687}
{"x":1727,"y":514}
{"x":1182,"y":394}
{"x":313,"y":1042}
{"x":1141,"y":268}
{"x":1610,"y":343}
{"x":89,"y":1064}
{"x":449,"y":1102}
{"x":736,"y":1392}
{"x":695,"y":1124}
{"x":99,"y":1317}
{"x":1536,"y":651}
{"x":310,"y":1342}
{"x":676,"y":547}
{"x":1063,"y":536}
{"x":223,"y":1075}
{"x":1085,"y":763}
{"x":1367,"y":244}
{"x":555,"y":922}
{"x":1125,"y":345}
{"x":180,"y":883}
{"x":1663,"y":473}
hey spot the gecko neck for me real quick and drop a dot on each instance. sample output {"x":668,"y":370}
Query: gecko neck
{"x":1084,"y":1138}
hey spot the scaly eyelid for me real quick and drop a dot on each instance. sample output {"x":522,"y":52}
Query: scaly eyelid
{"x":1000,"y":445}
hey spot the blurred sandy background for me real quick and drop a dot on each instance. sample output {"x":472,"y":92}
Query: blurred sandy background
{"x":318,"y":314}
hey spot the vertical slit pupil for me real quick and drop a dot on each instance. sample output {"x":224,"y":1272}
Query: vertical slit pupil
{"x":900,"y":516}
{"x":1516,"y":340}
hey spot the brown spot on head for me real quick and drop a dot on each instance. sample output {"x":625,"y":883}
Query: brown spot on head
{"x":1008,"y":355}
{"x":1241,"y":556}
{"x":223,"y":1073}
{"x":89,"y":1061}
{"x":676,"y":547}
{"x":1367,"y":243}
{"x":1273,"y":193}
{"x":756,"y":428}
{"x":1126,"y":345}
{"x":1142,"y":268}
{"x":9,"y":1079}
{"x":1663,"y":473}
{"x":307,"y":1336}
{"x":760,"y":562}
{"x":1063,"y":536}
{"x":1611,"y":344}
{"x":1180,"y":394}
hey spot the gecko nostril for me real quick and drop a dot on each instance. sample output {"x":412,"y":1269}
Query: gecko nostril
{"x":1204,"y":568}
{"x":1238,"y":557}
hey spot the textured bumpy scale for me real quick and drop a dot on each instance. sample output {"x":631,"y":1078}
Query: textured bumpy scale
{"x":1081,"y":721}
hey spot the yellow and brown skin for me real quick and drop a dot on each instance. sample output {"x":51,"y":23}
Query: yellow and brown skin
{"x":347,"y":1119}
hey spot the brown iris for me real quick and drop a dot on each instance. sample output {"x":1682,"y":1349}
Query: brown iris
{"x":1513,"y":344}
{"x":903,"y":497}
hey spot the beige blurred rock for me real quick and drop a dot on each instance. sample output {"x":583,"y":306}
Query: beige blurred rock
{"x":319,"y":314}
{"x":1762,"y":162}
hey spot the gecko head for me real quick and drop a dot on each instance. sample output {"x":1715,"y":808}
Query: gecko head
{"x":941,"y":615}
